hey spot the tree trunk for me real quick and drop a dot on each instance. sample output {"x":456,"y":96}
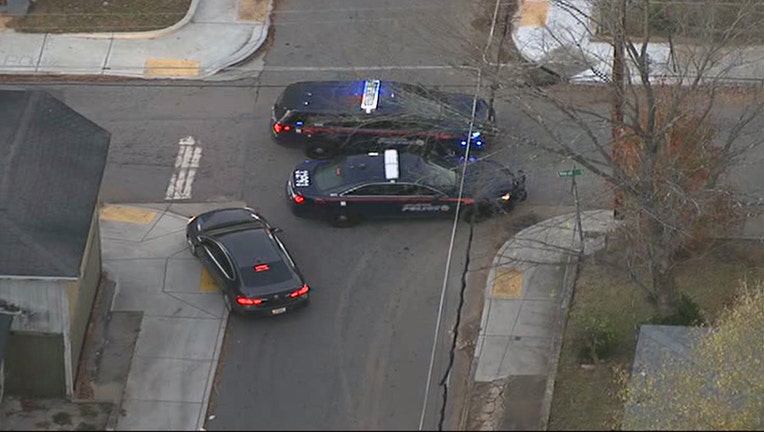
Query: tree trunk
{"x":664,"y":286}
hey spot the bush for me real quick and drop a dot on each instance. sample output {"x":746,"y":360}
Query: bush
{"x":597,"y":340}
{"x":687,"y":314}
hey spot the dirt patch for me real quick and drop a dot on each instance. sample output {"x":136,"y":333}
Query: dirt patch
{"x":253,"y":10}
{"x":88,"y":16}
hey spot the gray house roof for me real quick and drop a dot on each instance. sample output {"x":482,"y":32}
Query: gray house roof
{"x":658,"y":347}
{"x":51,"y":164}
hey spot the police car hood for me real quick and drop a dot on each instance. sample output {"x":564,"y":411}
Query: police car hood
{"x":462,"y":105}
{"x":485,"y":179}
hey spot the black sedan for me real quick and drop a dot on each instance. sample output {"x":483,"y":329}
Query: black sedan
{"x":241,"y":251}
{"x":391,"y":184}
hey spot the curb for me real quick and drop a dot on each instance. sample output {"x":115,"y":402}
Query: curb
{"x":150,"y":34}
{"x":246,"y":50}
{"x":568,"y":285}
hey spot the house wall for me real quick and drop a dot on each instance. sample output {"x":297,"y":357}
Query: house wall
{"x":14,"y":7}
{"x":82,"y":293}
{"x":35,"y":362}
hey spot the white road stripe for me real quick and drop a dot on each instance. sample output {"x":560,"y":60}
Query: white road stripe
{"x":186,"y":163}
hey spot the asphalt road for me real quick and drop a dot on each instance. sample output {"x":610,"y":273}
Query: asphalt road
{"x":358,"y":357}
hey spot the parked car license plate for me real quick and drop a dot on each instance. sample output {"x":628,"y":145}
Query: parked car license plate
{"x":278,"y":310}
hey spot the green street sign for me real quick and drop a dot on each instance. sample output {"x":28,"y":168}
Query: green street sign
{"x":570,"y":173}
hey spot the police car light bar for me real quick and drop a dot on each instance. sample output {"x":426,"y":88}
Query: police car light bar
{"x":370,"y":96}
{"x":391,"y":164}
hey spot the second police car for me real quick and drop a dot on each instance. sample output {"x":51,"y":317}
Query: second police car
{"x":332,"y":117}
{"x":394,"y":184}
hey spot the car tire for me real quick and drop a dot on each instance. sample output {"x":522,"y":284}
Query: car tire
{"x":320,"y":151}
{"x":523,"y":195}
{"x":474,"y":214}
{"x":343,"y":219}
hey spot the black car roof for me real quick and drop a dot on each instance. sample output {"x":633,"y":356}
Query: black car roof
{"x":370,"y":168}
{"x":395,"y":98}
{"x":249,"y":248}
{"x":225,"y":217}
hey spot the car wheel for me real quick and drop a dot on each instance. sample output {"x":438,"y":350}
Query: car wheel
{"x":523,"y":195}
{"x":475,"y":214}
{"x":319,"y":151}
{"x":343,"y":219}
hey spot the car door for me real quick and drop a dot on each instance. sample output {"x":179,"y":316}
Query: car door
{"x":377,"y":200}
{"x":219,"y":266}
{"x":424,"y":201}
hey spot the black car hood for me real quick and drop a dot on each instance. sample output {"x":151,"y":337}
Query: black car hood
{"x":485,"y":179}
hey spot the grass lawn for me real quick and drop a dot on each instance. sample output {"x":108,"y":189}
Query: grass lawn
{"x":586,"y":399}
{"x":86,"y":16}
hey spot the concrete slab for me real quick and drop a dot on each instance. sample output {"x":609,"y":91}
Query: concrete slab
{"x":527,"y":356}
{"x":537,"y":318}
{"x":171,"y":306}
{"x":178,"y":338}
{"x":20,"y":53}
{"x":63,"y":54}
{"x":502,"y":316}
{"x":201,"y":42}
{"x":169,"y":245}
{"x":490,"y":357}
{"x":167,"y":379}
{"x":543,"y":282}
{"x":167,"y":223}
{"x":183,"y":275}
{"x":123,"y":231}
{"x":211,"y":304}
{"x":139,"y":277}
{"x":220,"y":11}
{"x":158,"y":415}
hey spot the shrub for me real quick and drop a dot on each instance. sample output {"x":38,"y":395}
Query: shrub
{"x":687,"y":314}
{"x":597,"y":339}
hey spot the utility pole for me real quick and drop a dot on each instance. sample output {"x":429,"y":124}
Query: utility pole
{"x":574,"y":189}
{"x":499,"y":54}
{"x":573,"y":173}
{"x":619,"y":42}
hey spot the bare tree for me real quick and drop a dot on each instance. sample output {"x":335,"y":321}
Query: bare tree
{"x":681,"y":116}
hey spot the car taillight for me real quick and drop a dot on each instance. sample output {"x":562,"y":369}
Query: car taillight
{"x":298,"y":199}
{"x":287,"y":128}
{"x":443,"y":136}
{"x":245,"y":301}
{"x":300,"y":292}
{"x":277,"y":127}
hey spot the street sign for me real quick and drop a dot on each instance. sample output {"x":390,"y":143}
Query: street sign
{"x":570,"y":173}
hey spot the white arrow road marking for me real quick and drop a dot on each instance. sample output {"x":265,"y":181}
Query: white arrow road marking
{"x":186,"y":163}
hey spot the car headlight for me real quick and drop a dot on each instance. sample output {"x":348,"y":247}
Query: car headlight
{"x":506,"y":197}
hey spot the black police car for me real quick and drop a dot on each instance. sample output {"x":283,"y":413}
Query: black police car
{"x":241,"y":251}
{"x":391,"y":184}
{"x":333,"y":117}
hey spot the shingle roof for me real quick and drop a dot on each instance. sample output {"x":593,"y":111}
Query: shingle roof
{"x":51,"y":164}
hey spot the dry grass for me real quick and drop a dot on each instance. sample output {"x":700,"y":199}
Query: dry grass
{"x":585,"y":399}
{"x":85,"y":16}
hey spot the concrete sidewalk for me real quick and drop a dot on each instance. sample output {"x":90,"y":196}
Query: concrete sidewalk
{"x":528,"y":291}
{"x":214,"y":34}
{"x":559,"y":34}
{"x":183,"y":315}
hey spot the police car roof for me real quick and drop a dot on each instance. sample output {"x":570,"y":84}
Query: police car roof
{"x":343,"y":97}
{"x":370,"y":168}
